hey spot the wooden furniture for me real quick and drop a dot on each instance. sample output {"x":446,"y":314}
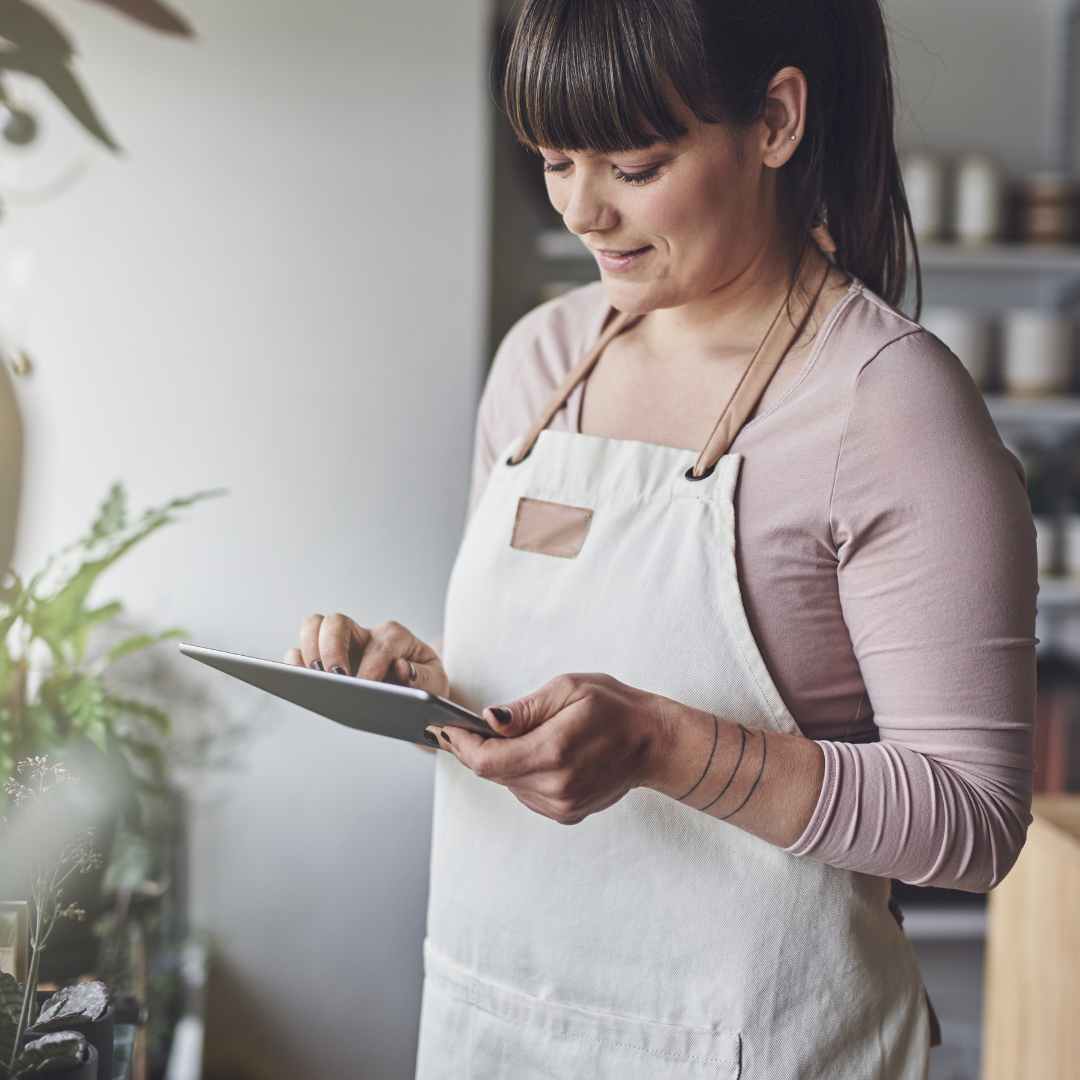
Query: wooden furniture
{"x":1031,"y":1023}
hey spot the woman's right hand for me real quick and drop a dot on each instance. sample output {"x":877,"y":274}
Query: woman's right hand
{"x":385,"y":653}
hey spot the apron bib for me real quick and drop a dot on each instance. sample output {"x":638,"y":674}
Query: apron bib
{"x":650,"y":940}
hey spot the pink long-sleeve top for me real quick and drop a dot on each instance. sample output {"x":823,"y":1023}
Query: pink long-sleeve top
{"x":886,"y":554}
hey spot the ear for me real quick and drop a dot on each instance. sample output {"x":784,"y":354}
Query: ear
{"x":784,"y":115}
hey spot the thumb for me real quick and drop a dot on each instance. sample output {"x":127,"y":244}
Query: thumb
{"x":524,"y":714}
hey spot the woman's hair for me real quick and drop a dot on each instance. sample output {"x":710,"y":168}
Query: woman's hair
{"x":593,"y":75}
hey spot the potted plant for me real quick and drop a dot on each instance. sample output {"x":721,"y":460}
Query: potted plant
{"x":57,"y":698}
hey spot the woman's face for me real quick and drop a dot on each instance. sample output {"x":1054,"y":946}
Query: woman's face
{"x":702,"y":210}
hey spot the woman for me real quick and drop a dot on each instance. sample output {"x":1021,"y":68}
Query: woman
{"x":762,"y":663}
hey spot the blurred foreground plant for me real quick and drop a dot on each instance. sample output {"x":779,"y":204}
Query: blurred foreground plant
{"x":48,"y":618}
{"x":33,"y":43}
{"x":42,"y":833}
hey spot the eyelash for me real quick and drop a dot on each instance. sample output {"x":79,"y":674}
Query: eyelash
{"x":635,"y":179}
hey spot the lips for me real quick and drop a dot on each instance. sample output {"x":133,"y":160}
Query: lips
{"x":624,"y":251}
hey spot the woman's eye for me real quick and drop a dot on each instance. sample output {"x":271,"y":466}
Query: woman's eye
{"x":625,"y":177}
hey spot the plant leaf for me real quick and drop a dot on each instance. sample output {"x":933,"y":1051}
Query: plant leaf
{"x":29,"y":28}
{"x":154,"y":715}
{"x":142,"y":641}
{"x":153,"y":14}
{"x":91,"y":619}
{"x":64,"y":84}
{"x":112,"y":515}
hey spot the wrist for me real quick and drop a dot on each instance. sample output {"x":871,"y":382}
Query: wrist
{"x":687,"y":741}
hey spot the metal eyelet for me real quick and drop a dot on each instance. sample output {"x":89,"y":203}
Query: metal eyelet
{"x":689,"y":474}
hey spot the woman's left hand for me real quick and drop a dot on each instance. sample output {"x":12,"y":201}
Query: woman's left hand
{"x":575,"y":746}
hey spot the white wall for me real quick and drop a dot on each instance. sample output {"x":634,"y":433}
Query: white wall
{"x":280,"y":289}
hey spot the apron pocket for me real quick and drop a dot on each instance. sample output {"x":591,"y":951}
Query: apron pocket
{"x":474,"y":1028}
{"x":550,"y":528}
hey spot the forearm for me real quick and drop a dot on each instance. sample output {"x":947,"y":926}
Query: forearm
{"x":767,"y":783}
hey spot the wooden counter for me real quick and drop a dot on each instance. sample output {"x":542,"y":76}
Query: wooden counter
{"x":1031,"y":1004}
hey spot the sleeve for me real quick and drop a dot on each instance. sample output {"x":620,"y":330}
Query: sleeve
{"x":937,"y":576}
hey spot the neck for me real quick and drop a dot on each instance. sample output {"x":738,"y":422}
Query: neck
{"x":728,"y":322}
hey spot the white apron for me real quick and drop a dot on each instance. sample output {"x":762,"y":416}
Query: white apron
{"x":650,"y":940}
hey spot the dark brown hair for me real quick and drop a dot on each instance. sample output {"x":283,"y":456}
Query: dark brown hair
{"x":593,"y":75}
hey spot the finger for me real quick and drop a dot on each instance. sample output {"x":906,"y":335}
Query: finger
{"x":502,"y":759}
{"x":341,"y":643}
{"x":387,"y":643}
{"x":294,"y":656}
{"x":422,"y":676}
{"x":530,"y":712}
{"x":309,"y":639}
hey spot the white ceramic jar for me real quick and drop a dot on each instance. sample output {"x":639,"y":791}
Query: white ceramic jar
{"x":980,"y":199}
{"x":967,"y":333}
{"x":1036,"y":353}
{"x":1045,"y":544}
{"x":925,"y":184}
{"x":1071,"y":546}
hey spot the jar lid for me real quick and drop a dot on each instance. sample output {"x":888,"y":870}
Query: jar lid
{"x":1050,"y":182}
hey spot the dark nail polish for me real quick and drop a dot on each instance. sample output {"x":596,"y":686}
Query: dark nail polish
{"x":337,"y":669}
{"x":317,"y":665}
{"x":431,"y":738}
{"x":445,"y":738}
{"x":502,"y":715}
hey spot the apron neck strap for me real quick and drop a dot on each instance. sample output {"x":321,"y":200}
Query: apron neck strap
{"x":774,"y":346}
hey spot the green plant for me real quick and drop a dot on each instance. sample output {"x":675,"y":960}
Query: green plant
{"x":33,"y":43}
{"x":49,"y":618}
{"x":42,"y":834}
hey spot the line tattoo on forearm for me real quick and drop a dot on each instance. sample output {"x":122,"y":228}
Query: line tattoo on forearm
{"x":738,"y":762}
{"x":753,"y":786}
{"x":716,"y":735}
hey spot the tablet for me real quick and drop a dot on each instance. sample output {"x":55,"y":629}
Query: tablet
{"x":400,"y":712}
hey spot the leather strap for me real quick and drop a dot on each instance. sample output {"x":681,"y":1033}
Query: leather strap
{"x":767,"y":358}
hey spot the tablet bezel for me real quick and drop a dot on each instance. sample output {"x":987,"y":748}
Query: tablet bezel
{"x":412,"y":708}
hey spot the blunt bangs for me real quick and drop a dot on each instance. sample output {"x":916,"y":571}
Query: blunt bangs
{"x":588,"y":75}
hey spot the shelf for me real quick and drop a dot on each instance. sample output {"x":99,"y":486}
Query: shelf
{"x":933,"y":922}
{"x":1044,"y":258}
{"x":1063,"y":409}
{"x":1027,"y":258}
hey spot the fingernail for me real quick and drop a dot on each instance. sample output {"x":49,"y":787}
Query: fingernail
{"x":317,"y":665}
{"x":445,"y":738}
{"x":429,"y":735}
{"x":502,"y":716}
{"x":337,"y":669}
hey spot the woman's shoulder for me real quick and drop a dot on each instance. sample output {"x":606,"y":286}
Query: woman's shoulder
{"x":911,"y":399}
{"x":555,"y":332}
{"x":886,"y":347}
{"x":539,"y":349}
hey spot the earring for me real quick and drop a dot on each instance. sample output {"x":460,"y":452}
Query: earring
{"x":794,"y":137}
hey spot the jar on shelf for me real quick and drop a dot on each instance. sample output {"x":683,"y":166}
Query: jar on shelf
{"x":925,"y":180}
{"x":1039,"y":472}
{"x":1036,"y":352}
{"x":980,"y":199}
{"x":1047,"y":207}
{"x":1068,"y":472}
{"x":967,"y":333}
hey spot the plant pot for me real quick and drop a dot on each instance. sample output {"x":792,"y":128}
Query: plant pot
{"x":98,"y":1034}
{"x":88,"y":1070}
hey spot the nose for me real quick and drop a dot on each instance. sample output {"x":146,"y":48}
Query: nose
{"x":586,"y":210}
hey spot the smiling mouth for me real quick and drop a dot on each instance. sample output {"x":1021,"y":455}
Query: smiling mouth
{"x":628,"y":251}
